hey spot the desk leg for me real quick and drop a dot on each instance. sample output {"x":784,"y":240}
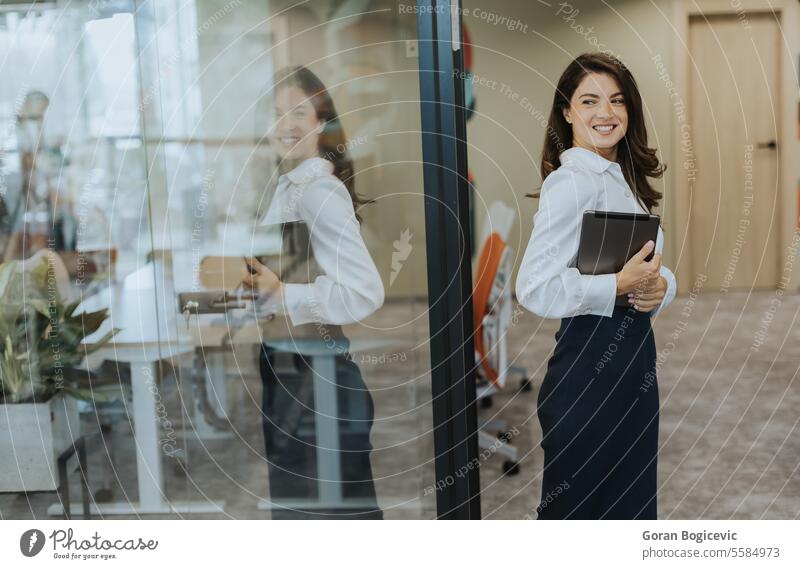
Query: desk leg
{"x":216,"y":387}
{"x":327,"y":429}
{"x":217,"y":384}
{"x":149,"y":473}
{"x":146,"y":426}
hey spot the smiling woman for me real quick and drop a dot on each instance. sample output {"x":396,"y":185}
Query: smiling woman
{"x":323,"y":279}
{"x":600,"y":429}
{"x":306,"y":124}
{"x":598,"y":115}
{"x":598,"y":90}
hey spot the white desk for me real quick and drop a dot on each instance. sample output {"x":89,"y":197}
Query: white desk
{"x":143,"y":308}
{"x":232,"y":240}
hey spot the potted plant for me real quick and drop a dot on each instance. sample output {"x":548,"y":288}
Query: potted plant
{"x":41,"y":349}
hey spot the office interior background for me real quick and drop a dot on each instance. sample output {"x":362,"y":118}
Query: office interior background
{"x":138,"y":130}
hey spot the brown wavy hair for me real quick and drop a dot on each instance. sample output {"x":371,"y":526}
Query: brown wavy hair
{"x":637,"y":160}
{"x":332,"y":141}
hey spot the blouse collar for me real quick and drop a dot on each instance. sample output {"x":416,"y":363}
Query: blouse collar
{"x":285,"y":201}
{"x":310,"y":169}
{"x":587,"y":158}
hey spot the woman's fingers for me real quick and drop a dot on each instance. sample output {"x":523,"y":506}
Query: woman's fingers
{"x":646,"y":285}
{"x":655,"y":295}
{"x":655,"y":262}
{"x":249,"y":280}
{"x":646,"y":305}
{"x":643,"y":252}
{"x":255,"y":265}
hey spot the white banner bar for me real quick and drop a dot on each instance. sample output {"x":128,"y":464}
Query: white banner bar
{"x":389,"y":544}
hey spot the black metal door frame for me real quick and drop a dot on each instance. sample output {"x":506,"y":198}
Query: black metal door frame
{"x":447,"y":223}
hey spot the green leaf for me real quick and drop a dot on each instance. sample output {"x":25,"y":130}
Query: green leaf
{"x":89,"y":322}
{"x":41,"y":306}
{"x":7,"y":271}
{"x":91,"y":348}
{"x":42,"y":336}
{"x":70,"y":308}
{"x":88,"y":395}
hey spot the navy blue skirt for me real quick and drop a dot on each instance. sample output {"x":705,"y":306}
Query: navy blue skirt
{"x":598,"y":408}
{"x":288,"y":421}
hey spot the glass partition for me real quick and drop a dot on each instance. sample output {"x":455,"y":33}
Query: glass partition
{"x":73,"y":160}
{"x":164,"y":151}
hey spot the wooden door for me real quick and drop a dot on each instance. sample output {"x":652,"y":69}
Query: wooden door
{"x":735,"y":116}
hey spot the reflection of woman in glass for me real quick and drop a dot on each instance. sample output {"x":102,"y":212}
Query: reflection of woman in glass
{"x":323,"y":279}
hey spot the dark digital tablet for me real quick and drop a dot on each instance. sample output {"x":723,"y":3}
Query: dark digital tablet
{"x":609,"y":239}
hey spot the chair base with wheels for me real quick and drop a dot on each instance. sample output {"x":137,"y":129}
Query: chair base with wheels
{"x":492,"y":309}
{"x":494,"y":434}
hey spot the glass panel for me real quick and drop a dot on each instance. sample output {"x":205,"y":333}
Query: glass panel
{"x":71,"y":139}
{"x":310,"y":399}
{"x":148,"y":148}
{"x":74,"y":227}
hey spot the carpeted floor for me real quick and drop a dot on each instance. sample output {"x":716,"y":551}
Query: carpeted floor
{"x":730,"y":407}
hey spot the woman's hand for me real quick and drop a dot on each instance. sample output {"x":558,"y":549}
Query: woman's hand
{"x":650,"y":298}
{"x":260,"y":277}
{"x":639,"y":275}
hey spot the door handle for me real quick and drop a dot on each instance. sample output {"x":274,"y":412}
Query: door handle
{"x":771,"y":145}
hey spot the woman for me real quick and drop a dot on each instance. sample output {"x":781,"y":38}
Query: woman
{"x":598,"y":404}
{"x":324,"y":278}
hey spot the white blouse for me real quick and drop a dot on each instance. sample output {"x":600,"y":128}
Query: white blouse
{"x":350,"y":288}
{"x":548,"y":284}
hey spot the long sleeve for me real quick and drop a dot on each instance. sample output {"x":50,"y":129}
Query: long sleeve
{"x":350,"y":288}
{"x":672,"y":285}
{"x":546,"y":285}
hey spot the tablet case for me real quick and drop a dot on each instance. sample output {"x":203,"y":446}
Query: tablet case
{"x":609,"y":239}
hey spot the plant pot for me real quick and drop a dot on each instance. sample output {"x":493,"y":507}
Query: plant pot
{"x":32,"y":436}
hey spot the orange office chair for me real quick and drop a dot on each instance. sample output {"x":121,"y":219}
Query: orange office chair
{"x":492,"y":311}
